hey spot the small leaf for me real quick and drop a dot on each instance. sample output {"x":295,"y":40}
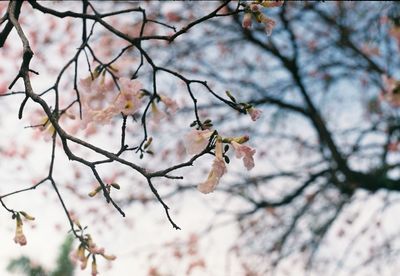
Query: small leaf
{"x":116,"y":186}
{"x":28,"y":217}
{"x":226,"y":148}
{"x":230,"y":96}
{"x":227,"y":160}
{"x":148,"y":143}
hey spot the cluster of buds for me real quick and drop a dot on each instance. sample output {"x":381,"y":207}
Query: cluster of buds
{"x":108,"y":188}
{"x":254,"y":11}
{"x":86,"y":250}
{"x":19,"y":233}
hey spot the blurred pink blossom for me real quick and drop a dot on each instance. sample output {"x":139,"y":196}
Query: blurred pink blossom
{"x":196,"y":140}
{"x":217,"y":171}
{"x":245,"y":152}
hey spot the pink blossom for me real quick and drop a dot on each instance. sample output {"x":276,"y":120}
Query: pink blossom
{"x":254,"y":113}
{"x":96,"y":250}
{"x":102,"y":116}
{"x":246,"y":22}
{"x":197,"y":140}
{"x":217,"y":171}
{"x":128,"y":101}
{"x":269,"y":25}
{"x":246,"y":152}
{"x":254,"y":7}
{"x":268,"y":22}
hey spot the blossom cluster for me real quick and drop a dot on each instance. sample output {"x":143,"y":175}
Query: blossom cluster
{"x":19,"y":233}
{"x":196,"y":141}
{"x":88,"y":249}
{"x":254,"y":11}
{"x":100,"y":105}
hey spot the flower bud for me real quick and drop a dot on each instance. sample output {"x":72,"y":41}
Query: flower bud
{"x":116,"y":186}
{"x":28,"y":217}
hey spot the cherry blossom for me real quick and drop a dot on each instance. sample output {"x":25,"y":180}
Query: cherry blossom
{"x":269,"y":24}
{"x":245,"y":152}
{"x":128,"y":101}
{"x":254,"y":113}
{"x":19,"y":234}
{"x":217,"y":171}
{"x":100,"y":106}
{"x":197,"y":140}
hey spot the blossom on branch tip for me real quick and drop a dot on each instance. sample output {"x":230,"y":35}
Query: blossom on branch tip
{"x":19,"y":234}
{"x":245,"y":152}
{"x":217,"y":171}
{"x":268,"y":22}
{"x":254,"y":113}
{"x":197,"y":140}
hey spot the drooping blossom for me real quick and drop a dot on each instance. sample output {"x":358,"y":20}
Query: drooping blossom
{"x":269,"y":25}
{"x":197,"y":140}
{"x":246,"y":22}
{"x":217,"y":171}
{"x":94,"y":268}
{"x":391,"y":92}
{"x":19,"y":234}
{"x":254,"y":113}
{"x":245,"y":152}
